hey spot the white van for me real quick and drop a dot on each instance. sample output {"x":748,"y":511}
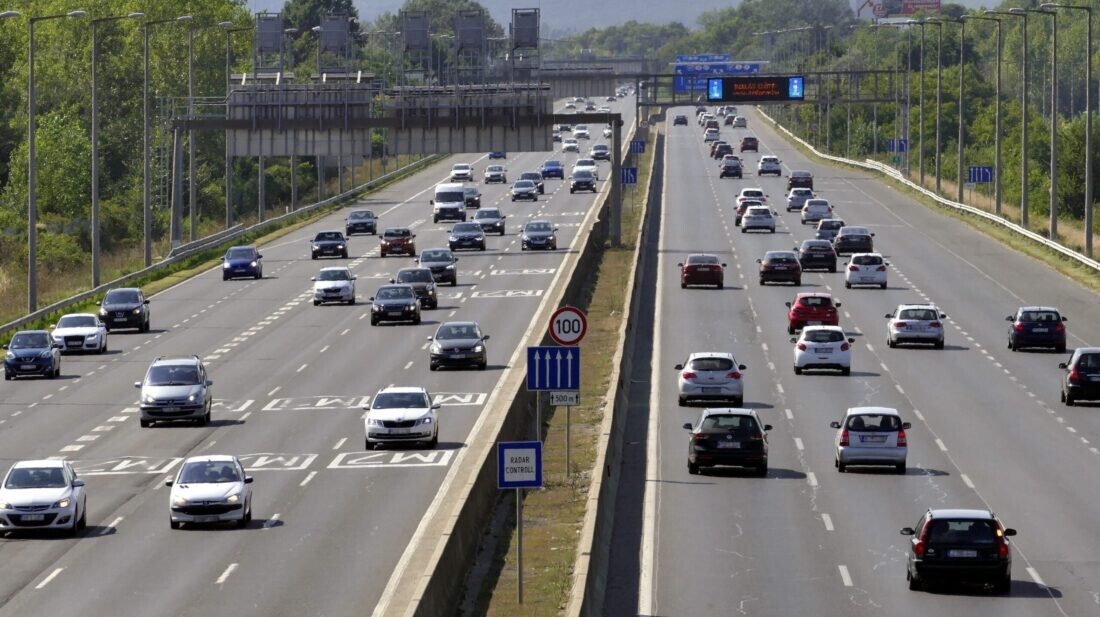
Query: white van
{"x":449,"y":203}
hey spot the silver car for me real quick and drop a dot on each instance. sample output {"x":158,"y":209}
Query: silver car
{"x":711,"y":376}
{"x":212,"y":488}
{"x":43,"y":494}
{"x":870,"y":436}
{"x":815,"y":210}
{"x":797,"y":198}
{"x":758,"y":217}
{"x":175,"y":388}
{"x":333,"y":285}
{"x":915,"y":323}
{"x":828,"y":228}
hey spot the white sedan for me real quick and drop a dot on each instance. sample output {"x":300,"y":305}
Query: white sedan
{"x":210,"y":489}
{"x":823,"y":347}
{"x":335,"y":284}
{"x":44,"y":494}
{"x":866,"y":269}
{"x":758,"y":217}
{"x":401,"y":415}
{"x":581,"y":131}
{"x":587,"y":165}
{"x":80,"y":332}
{"x":570,"y":145}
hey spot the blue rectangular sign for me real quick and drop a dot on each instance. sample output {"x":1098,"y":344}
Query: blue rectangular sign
{"x":637,"y":146}
{"x":519,"y":464}
{"x":979,"y":174}
{"x":897,"y":145}
{"x":703,"y":58}
{"x":629,"y":175}
{"x":554,"y":368}
{"x":692,"y":77}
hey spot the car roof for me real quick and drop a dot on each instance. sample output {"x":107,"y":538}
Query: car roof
{"x":79,"y":315}
{"x":396,"y":286}
{"x":210,"y":458}
{"x":813,"y":294}
{"x":44,"y":462}
{"x":538,"y":221}
{"x":769,"y":157}
{"x":340,"y":268}
{"x":450,"y":186}
{"x":414,"y":269}
{"x":1039,"y":308}
{"x":395,"y":230}
{"x":751,"y":188}
{"x":960,"y":513}
{"x":176,"y":360}
{"x":854,"y":255}
{"x":855,"y":229}
{"x":329,"y":231}
{"x":709,"y":354}
{"x":770,"y":254}
{"x":137,"y":289}
{"x":878,"y":411}
{"x":362,"y":210}
{"x":817,"y":201}
{"x":728,"y":411}
{"x":801,"y":173}
{"x":402,"y":389}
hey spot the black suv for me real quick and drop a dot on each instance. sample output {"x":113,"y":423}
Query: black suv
{"x":125,"y":307}
{"x":956,"y":544}
{"x":680,"y":120}
{"x":730,"y":168}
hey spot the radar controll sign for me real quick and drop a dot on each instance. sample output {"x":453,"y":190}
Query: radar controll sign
{"x":755,"y":88}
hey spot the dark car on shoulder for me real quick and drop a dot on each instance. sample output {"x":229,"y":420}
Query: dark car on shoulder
{"x":422,"y":282}
{"x":817,"y":255}
{"x":1037,"y":326}
{"x":328,"y":244}
{"x":472,"y":196}
{"x":750,"y":143}
{"x":680,"y":120}
{"x":442,"y":263}
{"x":957,"y":545}
{"x":702,"y":270}
{"x":730,"y":167}
{"x":1081,"y":380}
{"x":780,"y":267}
{"x":360,"y":222}
{"x":395,"y":303}
{"x":553,"y":169}
{"x":124,"y":307}
{"x":733,"y":437}
{"x":851,"y":240}
{"x":800,"y":179}
{"x":535,"y":177}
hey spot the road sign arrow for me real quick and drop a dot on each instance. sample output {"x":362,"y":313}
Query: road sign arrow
{"x":569,"y":373}
{"x":558,"y":368}
{"x":537,"y":384}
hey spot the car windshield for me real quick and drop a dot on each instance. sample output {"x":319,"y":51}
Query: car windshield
{"x":122,"y":296}
{"x":172,"y":375}
{"x":1089,"y":362}
{"x":461,"y":167}
{"x":450,"y":196}
{"x":495,"y":168}
{"x":241,"y":253}
{"x":801,"y":192}
{"x":76,"y":321}
{"x":871,"y":422}
{"x":538,"y":227}
{"x":209,"y":472}
{"x":525,"y":184}
{"x":467,"y":228}
{"x":360,"y":215}
{"x":867,"y":260}
{"x":915,"y":314}
{"x":780,"y":257}
{"x":599,"y":148}
{"x":334,"y":275}
{"x":586,"y":163}
{"x":582,"y":174}
{"x":414,"y":276}
{"x":769,"y":159}
{"x":436,"y":255}
{"x":531,"y":175}
{"x":1040,"y":316}
{"x":962,"y":532}
{"x":36,"y":477}
{"x":400,"y":400}
{"x":822,"y":336}
{"x":702,"y":259}
{"x":30,"y":340}
{"x":457,"y":331}
{"x":582,"y":127}
{"x":812,"y":203}
{"x":552,"y":164}
{"x":711,"y":364}
{"x":487,"y":214}
{"x":397,"y":233}
{"x":800,"y":174}
{"x":395,"y":293}
{"x":729,"y":423}
{"x":815,"y":301}
{"x":329,"y":236}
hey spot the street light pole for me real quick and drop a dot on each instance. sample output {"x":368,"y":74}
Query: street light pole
{"x":997,"y":122}
{"x":920,"y":104}
{"x":962,"y":125}
{"x":192,"y":200}
{"x":1053,"y":231}
{"x":229,"y":30}
{"x":939,"y":99}
{"x":95,"y":140}
{"x":1021,"y":13}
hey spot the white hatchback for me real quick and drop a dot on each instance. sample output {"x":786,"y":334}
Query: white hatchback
{"x":43,"y":494}
{"x":865,"y":269}
{"x":400,"y":415}
{"x":871,"y":436}
{"x":823,"y":347}
{"x":798,"y":198}
{"x":755,"y":194}
{"x":815,"y":210}
{"x":210,"y":489}
{"x":581,"y":131}
{"x":462,"y":172}
{"x":769,"y":165}
{"x":758,"y":217}
{"x":336,"y":284}
{"x":711,"y":376}
{"x":711,"y":135}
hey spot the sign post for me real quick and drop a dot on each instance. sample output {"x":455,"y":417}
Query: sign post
{"x":519,"y":466}
{"x":568,"y":326}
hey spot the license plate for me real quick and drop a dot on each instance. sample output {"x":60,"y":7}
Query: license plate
{"x":729,"y":445}
{"x":206,"y":519}
{"x":779,"y":267}
{"x":1038,"y":329}
{"x":399,"y":431}
{"x":27,"y":367}
{"x":1094,"y":377}
{"x":394,"y":313}
{"x":957,"y":552}
{"x":872,"y":438}
{"x":712,"y":390}
{"x":27,"y":518}
{"x":170,"y":409}
{"x":813,"y":323}
{"x":866,"y":279}
{"x":120,"y":319}
{"x":823,"y":350}
{"x":458,"y":356}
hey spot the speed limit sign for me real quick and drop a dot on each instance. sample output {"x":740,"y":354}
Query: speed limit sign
{"x":568,"y":325}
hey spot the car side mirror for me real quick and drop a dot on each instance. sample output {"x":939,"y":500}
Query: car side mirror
{"x":145,"y":302}
{"x":53,"y":326}
{"x":437,"y":406}
{"x":906,"y":425}
{"x":1063,"y":365}
{"x":314,"y":278}
{"x":78,"y":483}
{"x":1064,"y":318}
{"x":740,"y":367}
{"x":1009,"y":318}
{"x":57,"y":346}
{"x":371,"y":298}
{"x":248,"y":479}
{"x":137,"y":384}
{"x":393,"y":281}
{"x":429,"y":338}
{"x":1009,"y":532}
{"x":851,"y":340}
{"x":845,"y":263}
{"x":354,"y":278}
{"x":759,"y":261}
{"x":723,"y":264}
{"x":456,"y":259}
{"x":555,"y":229}
{"x":794,"y":339}
{"x":837,"y":304}
{"x":885,"y":263}
{"x":3,"y":346}
{"x":679,"y":367}
{"x":908,"y":531}
{"x":834,"y":424}
{"x":209,"y":382}
{"x":431,"y":202}
{"x":872,"y":234}
{"x":888,"y":316}
{"x":688,"y":426}
{"x":414,"y":235}
{"x":485,"y":338}
{"x":943,"y":315}
{"x":681,"y":264}
{"x":788,"y":304}
{"x":258,"y":256}
{"x":167,"y":483}
{"x":767,"y":427}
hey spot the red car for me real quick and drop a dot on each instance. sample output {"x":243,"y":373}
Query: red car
{"x":398,"y":240}
{"x":750,"y":143}
{"x":702,"y":270}
{"x":812,"y":309}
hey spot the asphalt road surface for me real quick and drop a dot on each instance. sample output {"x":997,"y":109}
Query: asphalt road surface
{"x":290,"y":379}
{"x":988,"y":430}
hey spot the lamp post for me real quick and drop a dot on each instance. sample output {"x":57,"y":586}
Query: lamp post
{"x":920,"y":104}
{"x":997,"y":122}
{"x":32,"y":163}
{"x":1088,"y":117}
{"x":95,"y":139}
{"x":962,"y":125}
{"x":290,"y":32}
{"x":939,"y":97}
{"x":1053,"y":232}
{"x":229,"y":28}
{"x":1021,"y":13}
{"x":147,"y":137}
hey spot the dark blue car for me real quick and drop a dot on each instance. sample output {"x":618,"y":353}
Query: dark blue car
{"x":553,"y":169}
{"x":497,"y":154}
{"x":242,"y":261}
{"x":1037,"y":326}
{"x":32,"y":352}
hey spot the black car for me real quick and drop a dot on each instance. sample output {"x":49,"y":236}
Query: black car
{"x":780,"y":267}
{"x":817,"y":255}
{"x":582,"y":180}
{"x":729,"y":120}
{"x":730,"y":168}
{"x":680,"y":120}
{"x":553,"y":169}
{"x":535,"y":177}
{"x":600,"y":152}
{"x":395,"y":303}
{"x":1081,"y":381}
{"x":457,"y":343}
{"x":491,"y":220}
{"x":728,"y":437}
{"x":442,"y":263}
{"x":328,"y":244}
{"x":467,"y":236}
{"x":125,"y":307}
{"x":1037,"y":326}
{"x":959,"y":545}
{"x":32,"y":352}
{"x":360,"y":222}
{"x":473,"y":196}
{"x":422,"y":282}
{"x":539,"y":235}
{"x":853,"y":240}
{"x":722,"y":150}
{"x":524,"y":190}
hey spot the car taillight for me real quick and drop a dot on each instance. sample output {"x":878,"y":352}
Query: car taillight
{"x":1002,"y":544}
{"x":687,"y":375}
{"x":757,"y":436}
{"x":880,"y":269}
{"x":918,"y":547}
{"x":802,"y":347}
{"x":734,"y":375}
{"x":699,"y":437}
{"x":853,"y":268}
{"x":900,"y":325}
{"x":844,"y":441}
{"x":935,"y":324}
{"x":1019,"y":327}
{"x":1060,"y":328}
{"x":844,"y":346}
{"x":1074,"y":375}
{"x":902,"y":439}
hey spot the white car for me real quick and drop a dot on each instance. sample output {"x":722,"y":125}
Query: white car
{"x":797,"y":198}
{"x":740,"y":122}
{"x":915,"y":323}
{"x":710,"y":135}
{"x":496,"y":173}
{"x":607,"y":132}
{"x":335,"y":284}
{"x":815,"y":210}
{"x":210,"y":489}
{"x":758,"y":217}
{"x":401,"y":415}
{"x":710,"y":376}
{"x":462,"y":172}
{"x":752,"y":194}
{"x":587,"y":165}
{"x":865,"y":269}
{"x":871,"y":436}
{"x":769,"y":165}
{"x":80,"y":332}
{"x":581,"y":132}
{"x":43,"y":494}
{"x":570,"y":145}
{"x":823,"y":347}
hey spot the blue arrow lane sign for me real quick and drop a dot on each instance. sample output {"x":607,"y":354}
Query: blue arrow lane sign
{"x":629,"y":175}
{"x":637,"y":146}
{"x":979,"y":174}
{"x":553,"y":368}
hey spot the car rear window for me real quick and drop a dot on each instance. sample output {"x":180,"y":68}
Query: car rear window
{"x":780,"y":257}
{"x":815,"y":301}
{"x":1040,"y":316}
{"x":874,"y":423}
{"x":830,"y":225}
{"x":729,"y":423}
{"x":711,"y":364}
{"x":854,"y":231}
{"x":867,"y":260}
{"x":758,"y":211}
{"x":823,"y":336}
{"x":946,"y":531}
{"x":1089,"y":362}
{"x":816,"y":245}
{"x":702,"y":259}
{"x":918,"y":314}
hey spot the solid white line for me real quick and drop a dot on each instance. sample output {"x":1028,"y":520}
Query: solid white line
{"x":1035,"y":577}
{"x":844,"y":576}
{"x":939,"y":443}
{"x":225,"y":575}
{"x":308,"y":478}
{"x":828,"y":520}
{"x":339,"y":443}
{"x":966,"y":480}
{"x":811,"y":477}
{"x":53,"y":575}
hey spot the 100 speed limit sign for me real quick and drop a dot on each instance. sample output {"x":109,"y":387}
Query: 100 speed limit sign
{"x":568,"y":325}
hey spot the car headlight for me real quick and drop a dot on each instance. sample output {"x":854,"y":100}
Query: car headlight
{"x":234,"y":498}
{"x":410,"y":307}
{"x":92,"y":337}
{"x":5,"y":505}
{"x":253,"y":264}
{"x":451,"y":267}
{"x":377,"y":308}
{"x":225,"y":264}
{"x":102,"y":311}
{"x":374,"y":422}
{"x":9,"y":356}
{"x":430,"y":287}
{"x":425,"y":420}
{"x":179,"y":501}
{"x":46,"y":354}
{"x":479,"y":348}
{"x":436,"y":348}
{"x":452,"y":238}
{"x":149,"y":398}
{"x":385,"y":243}
{"x":137,"y":311}
{"x":64,"y":503}
{"x":340,"y":246}
{"x":191,"y":398}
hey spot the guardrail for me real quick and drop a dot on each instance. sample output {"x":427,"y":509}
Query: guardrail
{"x":184,"y":251}
{"x":896,"y":175}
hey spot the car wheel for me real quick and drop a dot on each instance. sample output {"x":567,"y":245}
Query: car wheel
{"x":882,"y":286}
{"x":899,"y":469}
{"x":914,"y":582}
{"x":720,"y":285}
{"x":431,"y":445}
{"x":145,"y":423}
{"x":368,"y":446}
{"x":832,"y":268}
{"x":846,"y":371}
{"x":1070,"y":401}
{"x":693,"y":468}
{"x":761,"y":281}
{"x":316,"y":303}
{"x":174,"y":524}
{"x":373,"y":321}
{"x":344,"y":254}
{"x":56,"y":372}
{"x":797,"y":370}
{"x":482,"y":366}
{"x":416,"y":320}
{"x":681,"y":401}
{"x":259,"y":275}
{"x":1062,"y":395}
{"x":225,"y":277}
{"x":841,"y":467}
{"x":83,"y":522}
{"x":351,"y":302}
{"x":791,"y":329}
{"x":798,"y":282}
{"x":315,"y":257}
{"x":454,"y":282}
{"x":762,"y":470}
{"x":847,"y":285}
{"x":938,"y":345}
{"x":742,"y":230}
{"x":246,"y":519}
{"x":1003,"y":586}
{"x":891,"y":343}
{"x":1060,"y":349}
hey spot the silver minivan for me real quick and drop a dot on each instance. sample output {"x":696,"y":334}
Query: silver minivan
{"x":871,"y":436}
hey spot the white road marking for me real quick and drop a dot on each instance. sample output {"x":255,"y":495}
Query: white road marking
{"x":301,"y":368}
{"x":811,"y":477}
{"x":939,"y":443}
{"x":900,"y":391}
{"x":346,"y":330}
{"x":844,"y":575}
{"x":269,"y":523}
{"x":53,"y":575}
{"x":798,"y":443}
{"x":113,"y":526}
{"x":225,"y":575}
{"x":339,"y":443}
{"x":308,"y":478}
{"x":779,"y":388}
{"x":407,"y":366}
{"x":72,"y":448}
{"x":87,"y":438}
{"x":828,"y":520}
{"x":1035,"y":577}
{"x":324,"y":349}
{"x":117,"y":419}
{"x":273,"y":391}
{"x":103,"y":428}
{"x":966,"y":480}
{"x":245,"y":415}
{"x":790,"y":416}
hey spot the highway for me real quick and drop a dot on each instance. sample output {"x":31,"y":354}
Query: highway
{"x":330,"y":520}
{"x":988,"y":430}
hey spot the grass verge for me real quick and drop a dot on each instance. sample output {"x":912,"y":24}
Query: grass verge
{"x":554,"y":514}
